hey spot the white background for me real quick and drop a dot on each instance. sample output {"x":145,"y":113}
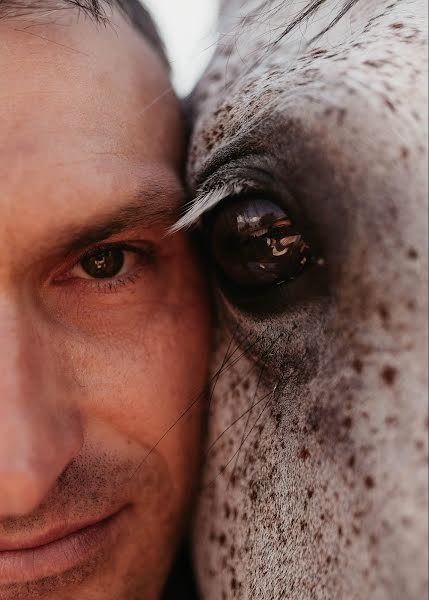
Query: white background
{"x":188,"y":28}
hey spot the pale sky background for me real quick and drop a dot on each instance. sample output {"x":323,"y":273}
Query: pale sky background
{"x":189,"y":32}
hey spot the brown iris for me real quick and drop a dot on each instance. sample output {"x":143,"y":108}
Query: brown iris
{"x":103,"y":263}
{"x":255,"y":244}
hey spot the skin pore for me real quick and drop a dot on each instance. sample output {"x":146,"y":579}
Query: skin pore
{"x":94,"y":370}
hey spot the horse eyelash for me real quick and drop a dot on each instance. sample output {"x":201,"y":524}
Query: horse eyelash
{"x":206,"y":200}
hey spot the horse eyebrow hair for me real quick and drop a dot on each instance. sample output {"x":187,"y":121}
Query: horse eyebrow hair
{"x":205,"y":201}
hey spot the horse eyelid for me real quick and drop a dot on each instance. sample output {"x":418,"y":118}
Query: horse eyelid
{"x":206,"y":200}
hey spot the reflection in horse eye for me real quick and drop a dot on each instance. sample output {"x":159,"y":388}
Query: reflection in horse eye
{"x":255,"y":244}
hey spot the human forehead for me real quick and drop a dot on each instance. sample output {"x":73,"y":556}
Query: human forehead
{"x":79,"y":87}
{"x":88,"y":124}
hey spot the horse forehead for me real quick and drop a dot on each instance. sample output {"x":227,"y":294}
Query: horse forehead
{"x":329,"y":435}
{"x":375,"y":50}
{"x":259,"y":33}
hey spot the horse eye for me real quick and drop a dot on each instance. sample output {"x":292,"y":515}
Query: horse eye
{"x":255,"y":244}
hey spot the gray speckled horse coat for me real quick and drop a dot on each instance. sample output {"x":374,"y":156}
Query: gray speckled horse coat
{"x":315,"y":481}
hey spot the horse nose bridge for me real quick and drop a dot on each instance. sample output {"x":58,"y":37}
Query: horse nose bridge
{"x":392,"y":458}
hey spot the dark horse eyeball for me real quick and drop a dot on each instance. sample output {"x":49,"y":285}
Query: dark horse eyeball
{"x":255,"y":244}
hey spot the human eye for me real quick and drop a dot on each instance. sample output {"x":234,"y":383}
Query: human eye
{"x":109,"y":266}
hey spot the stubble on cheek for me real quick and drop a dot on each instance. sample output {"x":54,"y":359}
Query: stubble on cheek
{"x":139,"y":557}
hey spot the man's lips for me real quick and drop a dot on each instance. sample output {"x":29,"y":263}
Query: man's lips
{"x":56,"y":551}
{"x":42,"y":539}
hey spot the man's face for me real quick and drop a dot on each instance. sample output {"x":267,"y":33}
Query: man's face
{"x":103,"y":319}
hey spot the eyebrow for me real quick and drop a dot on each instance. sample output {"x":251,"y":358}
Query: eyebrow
{"x":153,"y":210}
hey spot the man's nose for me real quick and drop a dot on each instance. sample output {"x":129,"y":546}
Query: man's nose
{"x":40,"y":432}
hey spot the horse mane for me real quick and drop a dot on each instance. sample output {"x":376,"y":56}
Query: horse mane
{"x":311,"y":8}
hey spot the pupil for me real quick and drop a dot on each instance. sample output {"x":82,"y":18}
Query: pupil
{"x":256,"y":244}
{"x":104,"y":264}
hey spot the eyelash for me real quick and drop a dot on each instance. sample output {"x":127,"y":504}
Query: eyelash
{"x":115,"y":283}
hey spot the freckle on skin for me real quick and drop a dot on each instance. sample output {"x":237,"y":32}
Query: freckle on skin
{"x":392,"y":420}
{"x":389,"y":375}
{"x":348,"y":422}
{"x":369,"y":482}
{"x":383,"y":311}
{"x":411,"y":305}
{"x":358,"y":365}
{"x":304,"y":454}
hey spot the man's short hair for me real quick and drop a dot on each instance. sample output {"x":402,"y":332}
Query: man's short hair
{"x":98,"y":10}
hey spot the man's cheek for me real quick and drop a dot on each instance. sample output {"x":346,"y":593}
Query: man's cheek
{"x":103,"y":314}
{"x":135,"y":369}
